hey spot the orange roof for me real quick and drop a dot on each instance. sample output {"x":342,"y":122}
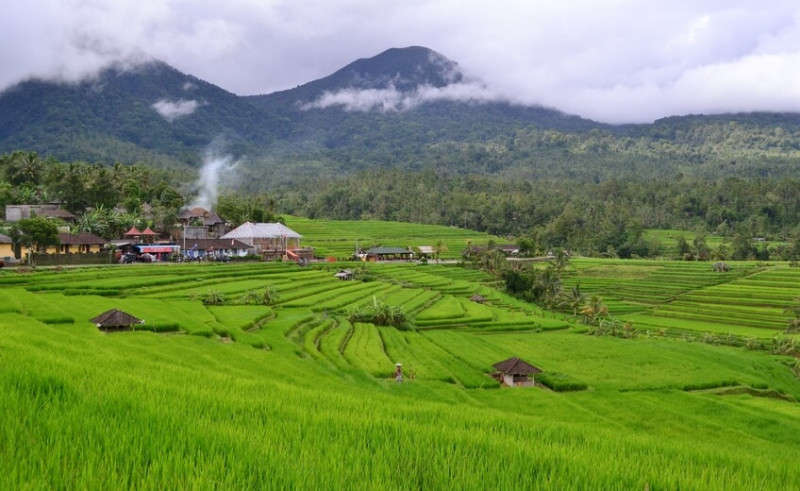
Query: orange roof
{"x":147,"y":231}
{"x":133,"y":231}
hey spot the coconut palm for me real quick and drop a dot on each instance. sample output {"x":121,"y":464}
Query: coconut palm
{"x":594,"y":310}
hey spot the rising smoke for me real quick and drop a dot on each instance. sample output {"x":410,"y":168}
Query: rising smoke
{"x":217,"y":170}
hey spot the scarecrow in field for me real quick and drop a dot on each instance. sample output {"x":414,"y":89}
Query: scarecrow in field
{"x":398,"y":373}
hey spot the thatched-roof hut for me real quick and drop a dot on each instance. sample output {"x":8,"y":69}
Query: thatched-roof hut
{"x":115,"y":320}
{"x":478,"y":298}
{"x":515,"y":372}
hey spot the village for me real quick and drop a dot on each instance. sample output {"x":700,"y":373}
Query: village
{"x":198,"y":234}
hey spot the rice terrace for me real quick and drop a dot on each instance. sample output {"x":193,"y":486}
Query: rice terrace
{"x":284,"y":245}
{"x":215,"y":387}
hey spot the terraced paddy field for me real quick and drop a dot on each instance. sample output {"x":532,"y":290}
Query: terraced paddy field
{"x":338,"y":238}
{"x":294,"y":394}
{"x":748,"y":301}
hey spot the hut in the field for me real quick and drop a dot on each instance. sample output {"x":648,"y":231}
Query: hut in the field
{"x":115,"y":320}
{"x":515,"y":372}
{"x":344,"y":274}
{"x":478,"y":298}
{"x":720,"y":267}
{"x":387,"y":253}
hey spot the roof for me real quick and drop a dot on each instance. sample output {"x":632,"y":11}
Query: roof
{"x":205,"y":244}
{"x":209,"y":217}
{"x":478,"y":298}
{"x":115,"y":318}
{"x":133,"y":231}
{"x":54,"y":213}
{"x":426,"y":249}
{"x":83,"y":238}
{"x":378,"y":251}
{"x":249,"y":230}
{"x":148,"y":231}
{"x":515,"y":366}
{"x":5,"y":239}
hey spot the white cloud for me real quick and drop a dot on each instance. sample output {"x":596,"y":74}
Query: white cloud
{"x":393,"y":100}
{"x":614,"y":60}
{"x":172,"y":110}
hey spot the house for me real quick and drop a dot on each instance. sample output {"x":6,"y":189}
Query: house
{"x":80,"y":243}
{"x":6,"y":246}
{"x":344,"y":274}
{"x":199,"y":223}
{"x":115,"y":320}
{"x":427,"y":251}
{"x":272,"y":240}
{"x":387,"y":253}
{"x":215,"y":248}
{"x":515,"y":372}
{"x":15,"y":213}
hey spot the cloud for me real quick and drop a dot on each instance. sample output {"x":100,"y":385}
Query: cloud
{"x":172,"y":110}
{"x":393,"y":100}
{"x":612,"y":60}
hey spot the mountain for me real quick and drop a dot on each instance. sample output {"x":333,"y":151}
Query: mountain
{"x":404,"y":69}
{"x":408,"y":108}
{"x":125,"y":114}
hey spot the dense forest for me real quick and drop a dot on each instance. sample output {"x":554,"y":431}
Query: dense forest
{"x":607,"y":217}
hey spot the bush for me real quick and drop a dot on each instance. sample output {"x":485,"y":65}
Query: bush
{"x":213,"y":297}
{"x":378,"y":313}
{"x":560,"y":382}
{"x":710,"y":385}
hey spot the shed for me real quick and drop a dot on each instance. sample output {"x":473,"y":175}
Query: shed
{"x":344,"y":274}
{"x":427,"y":251}
{"x":478,"y":298}
{"x":382,"y":253}
{"x":115,"y":320}
{"x":515,"y":372}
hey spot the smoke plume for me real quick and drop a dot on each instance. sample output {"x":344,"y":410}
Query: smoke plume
{"x":217,"y":169}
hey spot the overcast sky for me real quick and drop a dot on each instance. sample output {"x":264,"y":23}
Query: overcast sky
{"x":614,"y":61}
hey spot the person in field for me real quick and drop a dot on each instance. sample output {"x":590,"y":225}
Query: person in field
{"x":398,"y":373}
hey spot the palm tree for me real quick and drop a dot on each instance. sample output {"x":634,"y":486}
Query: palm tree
{"x":438,"y":249}
{"x":576,"y":298}
{"x":594,"y":310}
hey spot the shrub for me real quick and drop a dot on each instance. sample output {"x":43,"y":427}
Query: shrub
{"x":560,"y":382}
{"x":213,"y":297}
{"x":378,"y":313}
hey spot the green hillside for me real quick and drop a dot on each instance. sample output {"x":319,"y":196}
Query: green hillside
{"x":295,"y":395}
{"x":115,"y":117}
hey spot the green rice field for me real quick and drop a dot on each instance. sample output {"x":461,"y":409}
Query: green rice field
{"x":338,"y":238}
{"x":232,"y":394}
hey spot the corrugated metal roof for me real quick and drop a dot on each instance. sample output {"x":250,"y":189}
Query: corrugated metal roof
{"x":249,"y":230}
{"x":387,"y":250}
{"x":5,"y":239}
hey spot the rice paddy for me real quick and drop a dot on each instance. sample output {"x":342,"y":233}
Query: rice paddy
{"x":339,"y":238}
{"x":236,"y":394}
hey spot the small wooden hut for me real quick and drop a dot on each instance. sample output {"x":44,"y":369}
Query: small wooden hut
{"x":515,"y":372}
{"x":344,"y":274}
{"x":115,"y":320}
